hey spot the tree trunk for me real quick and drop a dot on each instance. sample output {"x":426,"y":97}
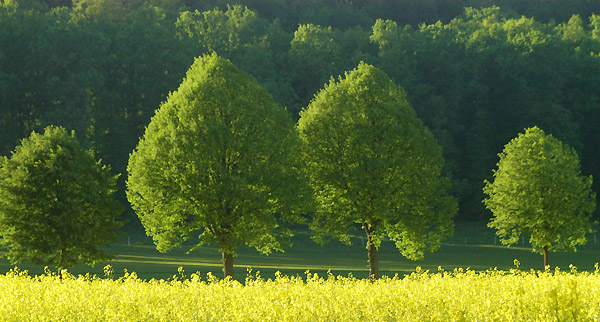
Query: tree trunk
{"x":60,"y":264}
{"x":546,"y":257}
{"x":373,"y":253}
{"x":227,"y":265}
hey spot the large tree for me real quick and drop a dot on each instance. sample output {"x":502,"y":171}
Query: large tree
{"x":56,"y":202}
{"x":538,"y":191}
{"x":372,"y":162}
{"x":217,"y":161}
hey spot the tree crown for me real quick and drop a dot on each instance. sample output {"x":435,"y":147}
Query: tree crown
{"x":538,"y":190}
{"x":217,"y":159}
{"x":56,"y":202}
{"x":373,"y":162}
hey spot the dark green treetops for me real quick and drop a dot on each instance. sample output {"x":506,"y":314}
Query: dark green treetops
{"x":217,"y":160}
{"x":538,"y":191}
{"x":56,"y":202}
{"x":372,"y":162}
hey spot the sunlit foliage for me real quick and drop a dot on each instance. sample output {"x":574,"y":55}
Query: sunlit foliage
{"x":373,"y":163}
{"x":538,"y":190}
{"x":217,"y":161}
{"x":56,"y":202}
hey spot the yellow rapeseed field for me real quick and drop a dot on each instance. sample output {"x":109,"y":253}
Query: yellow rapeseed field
{"x":460,"y":295}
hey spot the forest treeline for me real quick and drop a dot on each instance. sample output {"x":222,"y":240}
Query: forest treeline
{"x":343,"y":14}
{"x":477,"y":72}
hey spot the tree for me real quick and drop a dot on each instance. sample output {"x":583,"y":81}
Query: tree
{"x":251,"y":43}
{"x":314,"y":55}
{"x":218,"y":160}
{"x":52,"y":73}
{"x":538,"y":190}
{"x":111,"y":11}
{"x":56,"y":202}
{"x":144,"y":63}
{"x":372,"y":162}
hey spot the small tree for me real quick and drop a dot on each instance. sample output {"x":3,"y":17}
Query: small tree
{"x":538,"y":190}
{"x":56,"y":202}
{"x":217,"y":160}
{"x":372,"y":162}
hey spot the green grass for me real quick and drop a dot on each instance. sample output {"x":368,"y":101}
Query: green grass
{"x":141,"y":257}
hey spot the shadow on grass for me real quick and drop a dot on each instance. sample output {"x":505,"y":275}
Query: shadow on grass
{"x":340,"y":259}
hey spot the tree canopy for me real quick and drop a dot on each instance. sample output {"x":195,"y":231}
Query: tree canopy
{"x":372,"y":162}
{"x":56,"y":202}
{"x":538,"y":191}
{"x":475,"y":75}
{"x":217,"y":162}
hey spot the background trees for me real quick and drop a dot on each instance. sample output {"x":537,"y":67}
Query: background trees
{"x":372,"y":162}
{"x":252,"y":43}
{"x":482,"y":77}
{"x":217,"y":161}
{"x":475,"y":77}
{"x":538,"y":191}
{"x":56,"y":202}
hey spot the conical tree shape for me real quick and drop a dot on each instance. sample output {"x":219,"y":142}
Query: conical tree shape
{"x":374,"y":164}
{"x":217,"y":161}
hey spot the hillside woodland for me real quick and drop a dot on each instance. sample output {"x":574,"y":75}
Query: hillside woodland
{"x":477,"y":72}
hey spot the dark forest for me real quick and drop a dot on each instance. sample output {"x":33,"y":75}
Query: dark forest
{"x":477,"y":72}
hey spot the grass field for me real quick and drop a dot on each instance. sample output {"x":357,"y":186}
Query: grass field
{"x":471,"y":247}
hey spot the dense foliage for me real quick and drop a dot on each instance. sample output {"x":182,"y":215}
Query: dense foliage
{"x":56,"y":202}
{"x":476,"y":77}
{"x":538,"y":191}
{"x":218,"y":161}
{"x":421,"y":296}
{"x":372,"y":162}
{"x":347,"y":13}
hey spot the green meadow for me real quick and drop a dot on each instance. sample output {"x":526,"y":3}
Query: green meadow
{"x":471,"y":247}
